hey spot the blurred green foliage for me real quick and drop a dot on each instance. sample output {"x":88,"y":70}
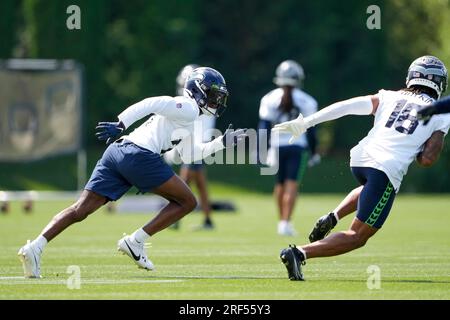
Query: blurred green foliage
{"x":134,"y":49}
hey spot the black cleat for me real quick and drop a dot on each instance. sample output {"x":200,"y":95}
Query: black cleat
{"x":293,"y":259}
{"x":323,"y":227}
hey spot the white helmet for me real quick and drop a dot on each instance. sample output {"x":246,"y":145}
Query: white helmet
{"x":289,"y":73}
{"x":182,"y":77}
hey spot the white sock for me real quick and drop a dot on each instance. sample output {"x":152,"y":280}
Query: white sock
{"x":302,"y":251}
{"x":336,"y":216}
{"x":140,"y":236}
{"x":40,"y":242}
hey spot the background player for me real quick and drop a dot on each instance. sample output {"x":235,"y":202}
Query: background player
{"x":135,"y":160}
{"x":381,"y":159}
{"x":279,"y":105}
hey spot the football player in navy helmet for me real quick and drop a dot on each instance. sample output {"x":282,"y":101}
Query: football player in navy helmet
{"x":135,"y":160}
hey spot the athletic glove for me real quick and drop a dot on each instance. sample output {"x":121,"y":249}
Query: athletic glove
{"x":296,"y":127}
{"x":109,"y":131}
{"x":232,"y":137}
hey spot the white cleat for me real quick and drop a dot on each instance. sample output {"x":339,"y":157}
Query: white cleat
{"x":286,"y":229}
{"x":31,"y":260}
{"x":135,"y":251}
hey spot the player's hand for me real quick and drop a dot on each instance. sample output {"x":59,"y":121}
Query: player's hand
{"x":426,"y":113}
{"x":296,"y":127}
{"x":314,"y":160}
{"x":232,"y":137}
{"x":109,"y":131}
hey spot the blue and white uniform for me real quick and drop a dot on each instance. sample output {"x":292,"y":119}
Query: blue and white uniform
{"x":286,"y":156}
{"x":203,"y":133}
{"x":135,"y":159}
{"x":382,"y":158}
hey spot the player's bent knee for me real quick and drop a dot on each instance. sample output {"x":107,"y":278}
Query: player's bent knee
{"x":359,"y":240}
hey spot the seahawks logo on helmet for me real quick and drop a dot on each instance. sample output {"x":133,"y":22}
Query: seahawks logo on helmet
{"x":428,"y":71}
{"x":196,"y":76}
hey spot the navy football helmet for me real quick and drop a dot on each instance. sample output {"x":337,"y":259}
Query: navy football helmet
{"x":182,"y":77}
{"x":208,"y":88}
{"x":428,"y":71}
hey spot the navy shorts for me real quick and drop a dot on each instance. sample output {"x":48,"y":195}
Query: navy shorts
{"x":290,"y":159}
{"x":376,"y":198}
{"x":124,"y":165}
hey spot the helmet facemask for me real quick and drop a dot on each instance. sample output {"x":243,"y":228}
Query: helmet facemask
{"x":216,"y":101}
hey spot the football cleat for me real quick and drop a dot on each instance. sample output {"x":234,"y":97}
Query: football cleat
{"x":31,"y":260}
{"x":286,"y":228}
{"x":293,"y":259}
{"x":135,"y":251}
{"x":323,"y":227}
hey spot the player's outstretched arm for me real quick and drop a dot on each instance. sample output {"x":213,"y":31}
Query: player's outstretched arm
{"x":357,"y":106}
{"x":431,"y":150}
{"x":190,"y":151}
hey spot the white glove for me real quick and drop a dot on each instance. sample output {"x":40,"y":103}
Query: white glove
{"x":296,"y":127}
{"x":314,"y":160}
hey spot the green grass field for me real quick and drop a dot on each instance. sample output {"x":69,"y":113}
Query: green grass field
{"x":238,"y":260}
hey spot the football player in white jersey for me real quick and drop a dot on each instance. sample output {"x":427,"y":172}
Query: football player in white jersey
{"x":135,"y":160}
{"x":327,"y":222}
{"x":279,"y":105}
{"x":195,"y":172}
{"x":381,"y":159}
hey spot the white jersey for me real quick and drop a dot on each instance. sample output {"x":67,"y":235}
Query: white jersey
{"x":268,"y":110}
{"x":203,"y":128}
{"x":170,"y":126}
{"x":397,"y":136}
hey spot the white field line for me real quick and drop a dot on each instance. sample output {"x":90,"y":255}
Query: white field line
{"x":22,"y":280}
